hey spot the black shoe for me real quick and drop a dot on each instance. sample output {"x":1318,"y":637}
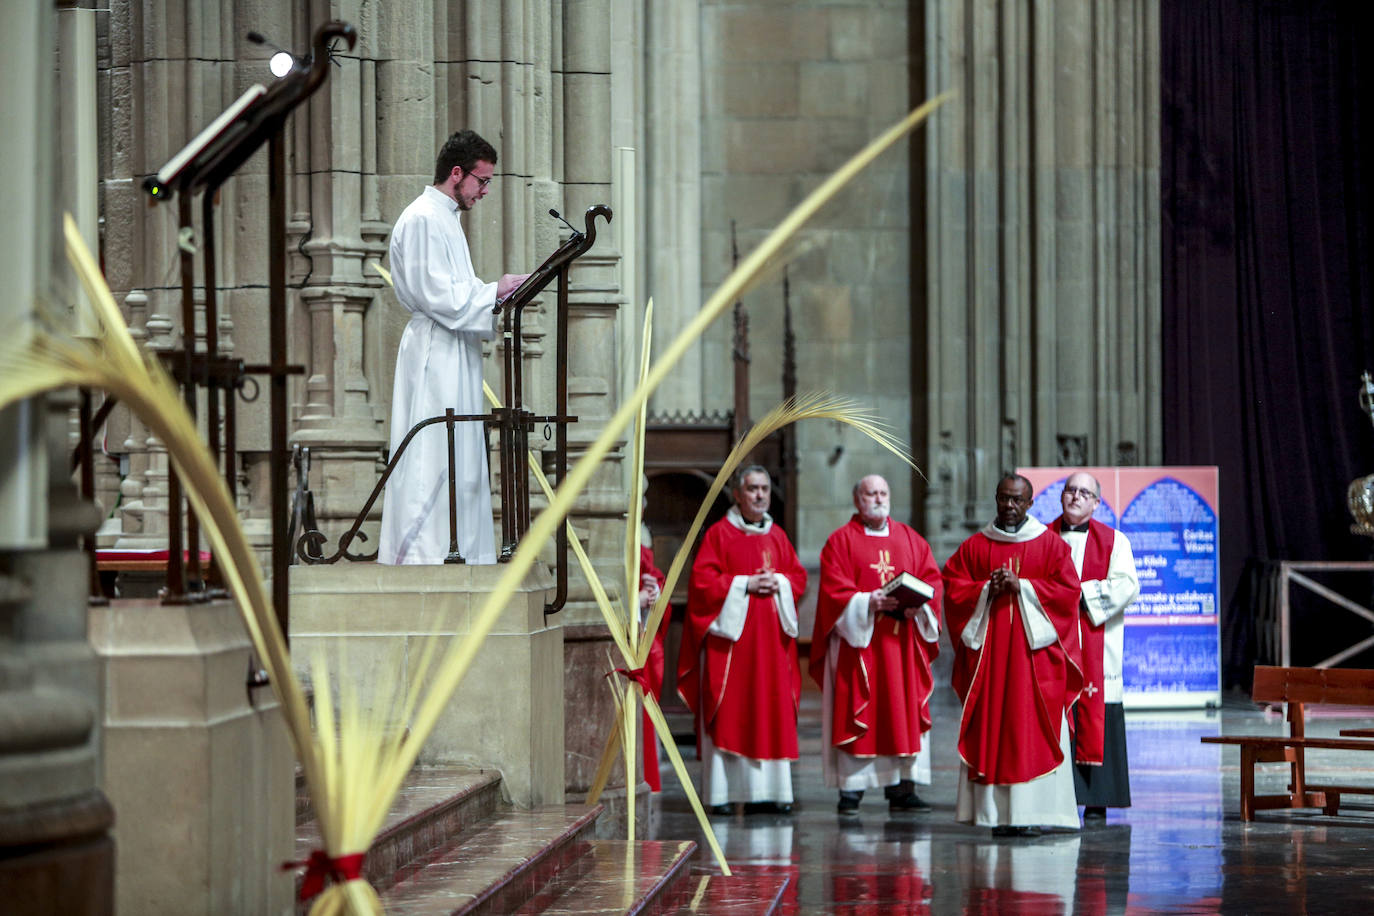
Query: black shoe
{"x":725,"y":810}
{"x":1095,"y":813}
{"x":849,"y":803}
{"x":909,"y":802}
{"x":1009,"y":831}
{"x":768,"y":808}
{"x":898,"y":789}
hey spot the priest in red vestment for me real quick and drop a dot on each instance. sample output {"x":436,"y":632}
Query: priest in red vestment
{"x":1011,"y":599}
{"x":871,"y":654}
{"x":1106,"y":570}
{"x":737,"y":669}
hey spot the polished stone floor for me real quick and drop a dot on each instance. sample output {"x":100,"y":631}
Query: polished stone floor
{"x":1181,"y":847}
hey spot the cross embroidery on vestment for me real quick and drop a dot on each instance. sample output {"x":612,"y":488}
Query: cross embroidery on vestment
{"x":884,"y":566}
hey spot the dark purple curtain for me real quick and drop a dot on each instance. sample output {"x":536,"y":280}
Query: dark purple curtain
{"x":1267,"y":142}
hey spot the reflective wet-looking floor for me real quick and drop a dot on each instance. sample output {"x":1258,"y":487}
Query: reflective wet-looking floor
{"x":1180,"y":848}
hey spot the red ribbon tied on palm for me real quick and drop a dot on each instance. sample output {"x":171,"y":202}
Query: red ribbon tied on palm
{"x":638,"y":675}
{"x":319,"y":868}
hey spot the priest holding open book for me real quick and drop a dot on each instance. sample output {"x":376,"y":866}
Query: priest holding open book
{"x":877,"y":629}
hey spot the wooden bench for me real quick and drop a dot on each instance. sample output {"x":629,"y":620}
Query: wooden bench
{"x":1300,"y":687}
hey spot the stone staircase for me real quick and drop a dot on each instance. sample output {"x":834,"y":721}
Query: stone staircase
{"x":451,"y":845}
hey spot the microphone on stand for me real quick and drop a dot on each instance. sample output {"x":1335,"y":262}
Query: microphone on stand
{"x":558,"y":216}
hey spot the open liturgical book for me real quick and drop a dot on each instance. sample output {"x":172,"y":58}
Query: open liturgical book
{"x":909,"y":592}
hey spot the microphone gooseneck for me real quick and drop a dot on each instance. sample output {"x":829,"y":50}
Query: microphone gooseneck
{"x":558,"y":216}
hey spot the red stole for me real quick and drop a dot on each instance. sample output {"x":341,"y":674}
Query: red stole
{"x":1089,"y":723}
{"x":1014,"y":697}
{"x":881,"y":692}
{"x":744,"y":694}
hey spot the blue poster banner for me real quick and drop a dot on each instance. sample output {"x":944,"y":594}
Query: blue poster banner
{"x":1172,"y":645}
{"x":1172,"y":640}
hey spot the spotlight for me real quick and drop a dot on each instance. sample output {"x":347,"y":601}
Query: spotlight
{"x":282,"y":62}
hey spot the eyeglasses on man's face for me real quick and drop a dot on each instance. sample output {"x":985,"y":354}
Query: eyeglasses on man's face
{"x":484,"y":182}
{"x":1080,"y":492}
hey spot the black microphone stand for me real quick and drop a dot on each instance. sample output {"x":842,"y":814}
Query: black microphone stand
{"x":514,"y":421}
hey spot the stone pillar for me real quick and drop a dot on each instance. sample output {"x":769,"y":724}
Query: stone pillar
{"x":160,"y":84}
{"x":1043,"y":246}
{"x":673,"y":188}
{"x":198,"y":766}
{"x":788,"y":92}
{"x":56,"y":856}
{"x":596,"y":380}
{"x":335,"y":232}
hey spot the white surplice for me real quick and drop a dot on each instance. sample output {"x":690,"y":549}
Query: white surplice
{"x":438,"y":365}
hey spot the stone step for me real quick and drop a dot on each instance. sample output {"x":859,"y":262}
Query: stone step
{"x":435,"y":805}
{"x":614,"y":876}
{"x":495,"y":867}
{"x":747,"y":891}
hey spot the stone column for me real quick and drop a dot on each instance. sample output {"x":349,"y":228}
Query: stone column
{"x":673,"y":187}
{"x":55,"y":852}
{"x":335,"y":231}
{"x":1043,"y":246}
{"x":162,"y":77}
{"x":595,"y":380}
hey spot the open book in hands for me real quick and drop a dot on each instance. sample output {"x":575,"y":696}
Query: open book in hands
{"x":909,"y":592}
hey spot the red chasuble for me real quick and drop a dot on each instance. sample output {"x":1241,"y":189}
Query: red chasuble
{"x":881,"y":692}
{"x":1014,"y":697}
{"x":745,"y":693}
{"x":653,"y":667}
{"x":1090,"y":721}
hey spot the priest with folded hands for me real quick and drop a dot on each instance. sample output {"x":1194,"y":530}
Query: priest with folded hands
{"x":871,"y":653}
{"x":1011,"y":599}
{"x":737,"y":668}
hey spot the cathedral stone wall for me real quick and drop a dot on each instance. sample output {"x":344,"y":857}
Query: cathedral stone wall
{"x":789,"y":92}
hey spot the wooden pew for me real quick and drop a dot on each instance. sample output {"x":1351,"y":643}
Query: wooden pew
{"x":1300,"y":687}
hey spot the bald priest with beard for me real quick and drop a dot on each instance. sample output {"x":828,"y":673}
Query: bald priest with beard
{"x":1011,"y":604}
{"x":871,"y":653}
